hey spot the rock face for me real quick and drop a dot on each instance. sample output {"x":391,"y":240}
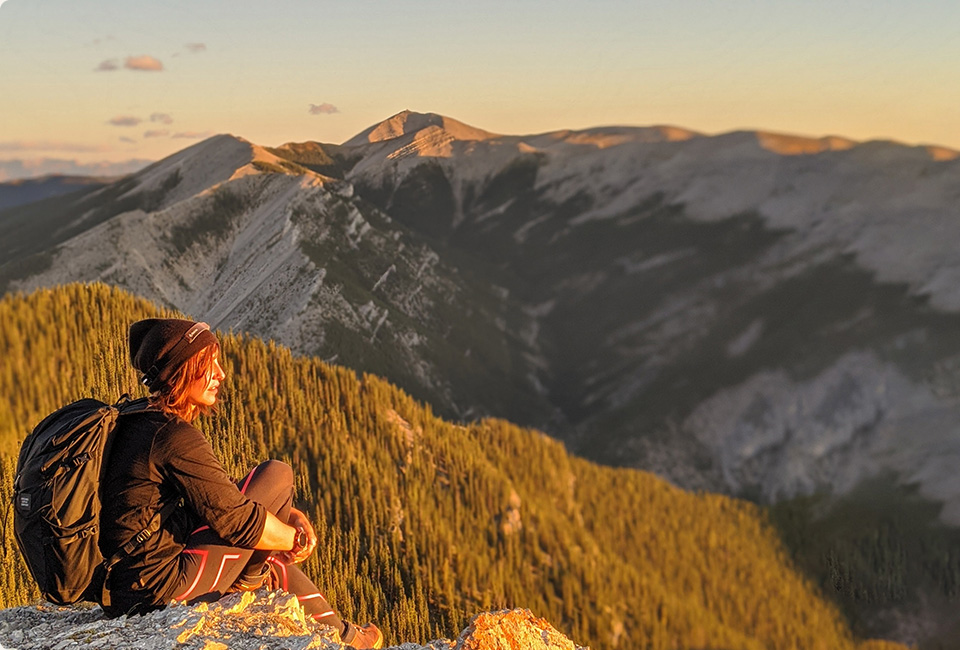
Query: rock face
{"x":750,"y":312}
{"x":250,"y":621}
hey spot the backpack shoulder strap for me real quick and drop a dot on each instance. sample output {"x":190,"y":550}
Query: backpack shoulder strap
{"x":156,"y":522}
{"x":127,"y":405}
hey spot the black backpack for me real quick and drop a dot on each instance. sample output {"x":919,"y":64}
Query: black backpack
{"x":56,"y":515}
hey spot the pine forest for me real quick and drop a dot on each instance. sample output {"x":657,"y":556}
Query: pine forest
{"x":424,"y":523}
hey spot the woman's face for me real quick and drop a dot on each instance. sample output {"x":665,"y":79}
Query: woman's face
{"x":203,"y":392}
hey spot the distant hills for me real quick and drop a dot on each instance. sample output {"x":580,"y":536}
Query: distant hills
{"x":15,"y":169}
{"x":21,"y":192}
{"x":755,"y":313}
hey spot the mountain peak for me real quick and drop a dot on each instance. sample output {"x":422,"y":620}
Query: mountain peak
{"x":407,"y":122}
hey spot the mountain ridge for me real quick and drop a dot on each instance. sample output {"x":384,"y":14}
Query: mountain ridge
{"x":652,"y":296}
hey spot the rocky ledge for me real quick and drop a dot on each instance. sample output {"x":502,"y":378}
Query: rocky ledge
{"x":249,"y":621}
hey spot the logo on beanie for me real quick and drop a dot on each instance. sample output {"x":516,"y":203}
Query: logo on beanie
{"x":195,"y":331}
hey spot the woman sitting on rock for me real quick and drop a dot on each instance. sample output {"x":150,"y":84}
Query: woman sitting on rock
{"x":217,"y":536}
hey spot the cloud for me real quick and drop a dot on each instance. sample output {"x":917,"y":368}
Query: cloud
{"x":143,"y":62}
{"x":97,"y":41}
{"x":108,"y":66}
{"x":48,"y":145}
{"x":196,"y":48}
{"x":323,"y":109}
{"x":156,"y":133}
{"x":191,"y":135}
{"x":163,"y":118}
{"x":124,"y":120}
{"x":124,"y":138}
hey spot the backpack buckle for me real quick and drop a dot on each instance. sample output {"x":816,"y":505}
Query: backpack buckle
{"x":150,"y":376}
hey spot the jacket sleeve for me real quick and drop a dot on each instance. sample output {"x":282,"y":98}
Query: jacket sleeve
{"x":183,"y":455}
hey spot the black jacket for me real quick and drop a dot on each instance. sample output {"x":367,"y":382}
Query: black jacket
{"x":156,"y":459}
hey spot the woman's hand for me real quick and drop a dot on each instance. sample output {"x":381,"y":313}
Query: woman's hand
{"x":299,"y":521}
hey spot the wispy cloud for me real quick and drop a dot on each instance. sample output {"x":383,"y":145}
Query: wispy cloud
{"x":49,"y":145}
{"x":156,"y":133}
{"x":196,"y":48}
{"x":191,"y":135}
{"x":96,"y":41}
{"x":108,"y":65}
{"x":323,"y":109}
{"x":143,"y":62}
{"x":163,"y":118}
{"x":124,"y":138}
{"x":124,"y":120}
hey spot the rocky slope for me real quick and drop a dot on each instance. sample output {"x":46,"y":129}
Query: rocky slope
{"x":228,"y":232}
{"x":750,"y":312}
{"x":759,"y":313}
{"x":245,"y":622}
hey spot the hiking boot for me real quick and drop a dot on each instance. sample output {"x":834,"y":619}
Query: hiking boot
{"x":253,"y":581}
{"x":363,"y":636}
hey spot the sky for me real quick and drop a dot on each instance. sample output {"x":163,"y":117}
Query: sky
{"x":93,"y":82}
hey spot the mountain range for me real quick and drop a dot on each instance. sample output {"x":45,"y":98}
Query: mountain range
{"x":753,"y":313}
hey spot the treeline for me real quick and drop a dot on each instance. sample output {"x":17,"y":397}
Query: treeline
{"x":423,"y":523}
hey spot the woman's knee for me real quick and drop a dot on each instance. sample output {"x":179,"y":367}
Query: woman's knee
{"x":271,"y":484}
{"x":275,"y":472}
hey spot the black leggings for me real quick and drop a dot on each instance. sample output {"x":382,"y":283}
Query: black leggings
{"x":209,"y":566}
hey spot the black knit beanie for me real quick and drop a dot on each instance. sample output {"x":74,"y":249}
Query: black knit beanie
{"x":158,"y":346}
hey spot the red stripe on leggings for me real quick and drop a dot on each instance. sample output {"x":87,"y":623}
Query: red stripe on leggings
{"x":223,"y":561}
{"x":243,"y":490}
{"x":203,"y":562}
{"x":283,"y":572}
{"x":309,"y":596}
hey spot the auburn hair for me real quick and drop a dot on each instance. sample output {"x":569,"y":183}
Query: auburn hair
{"x":172,"y":397}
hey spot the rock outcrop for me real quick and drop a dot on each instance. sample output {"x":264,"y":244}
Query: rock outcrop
{"x":250,"y":621}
